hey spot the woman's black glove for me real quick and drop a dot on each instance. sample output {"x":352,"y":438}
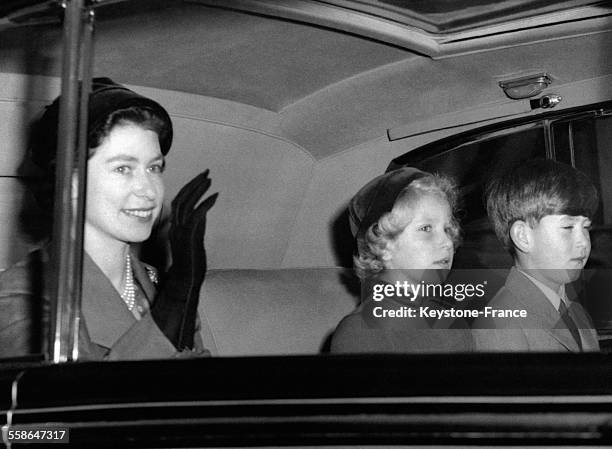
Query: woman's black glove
{"x":176,"y":307}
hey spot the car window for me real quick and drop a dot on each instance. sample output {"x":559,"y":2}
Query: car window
{"x":584,"y":142}
{"x":283,"y":175}
{"x":581,"y":140}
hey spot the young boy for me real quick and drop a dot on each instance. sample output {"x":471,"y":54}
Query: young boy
{"x":541,"y":211}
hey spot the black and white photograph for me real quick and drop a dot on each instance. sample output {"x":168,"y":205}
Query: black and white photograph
{"x":306,"y":223}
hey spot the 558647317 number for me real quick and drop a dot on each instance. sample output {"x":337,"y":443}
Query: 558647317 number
{"x":31,"y":434}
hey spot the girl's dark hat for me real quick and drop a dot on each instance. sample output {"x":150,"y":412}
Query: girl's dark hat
{"x":105,"y":98}
{"x":377,"y":198}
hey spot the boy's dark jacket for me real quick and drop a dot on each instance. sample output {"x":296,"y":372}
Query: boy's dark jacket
{"x":542,"y":330}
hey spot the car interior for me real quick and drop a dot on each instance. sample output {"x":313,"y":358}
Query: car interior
{"x":294,"y":107}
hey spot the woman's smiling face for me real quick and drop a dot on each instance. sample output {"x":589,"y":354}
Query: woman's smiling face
{"x":426,"y":242}
{"x":125,"y":189}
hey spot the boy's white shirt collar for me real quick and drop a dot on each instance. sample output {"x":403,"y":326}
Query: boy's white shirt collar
{"x":554,"y":297}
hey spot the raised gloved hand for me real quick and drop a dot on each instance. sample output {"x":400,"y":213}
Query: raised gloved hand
{"x":176,"y":307}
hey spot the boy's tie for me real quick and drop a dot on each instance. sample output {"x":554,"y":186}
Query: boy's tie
{"x":564,"y":312}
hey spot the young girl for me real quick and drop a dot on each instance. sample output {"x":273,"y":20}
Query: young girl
{"x":406,"y":236}
{"x":128,"y":139}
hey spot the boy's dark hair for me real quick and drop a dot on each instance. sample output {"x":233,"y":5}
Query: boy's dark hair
{"x":534,"y":189}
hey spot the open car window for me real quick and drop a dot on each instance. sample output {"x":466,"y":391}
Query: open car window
{"x":253,"y":111}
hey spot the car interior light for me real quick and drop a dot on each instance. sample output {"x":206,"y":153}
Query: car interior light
{"x":525,"y":87}
{"x":546,"y":102}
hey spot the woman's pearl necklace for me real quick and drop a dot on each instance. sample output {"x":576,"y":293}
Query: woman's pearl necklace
{"x":129,"y":288}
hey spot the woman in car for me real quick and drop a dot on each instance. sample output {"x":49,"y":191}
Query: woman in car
{"x":128,"y":138}
{"x":406,"y":236}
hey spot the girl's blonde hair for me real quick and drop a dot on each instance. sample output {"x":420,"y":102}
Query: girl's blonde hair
{"x":370,"y":250}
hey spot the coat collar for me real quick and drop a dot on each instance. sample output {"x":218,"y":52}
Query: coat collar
{"x":106,"y":316}
{"x":542,"y":313}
